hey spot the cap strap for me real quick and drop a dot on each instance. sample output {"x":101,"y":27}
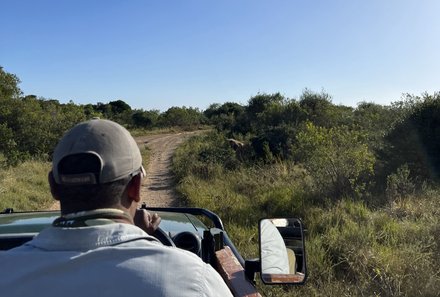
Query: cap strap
{"x":78,"y":179}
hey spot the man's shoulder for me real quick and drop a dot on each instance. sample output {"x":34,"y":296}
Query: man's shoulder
{"x":152,"y":248}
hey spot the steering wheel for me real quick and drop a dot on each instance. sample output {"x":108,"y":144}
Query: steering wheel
{"x":163,"y":237}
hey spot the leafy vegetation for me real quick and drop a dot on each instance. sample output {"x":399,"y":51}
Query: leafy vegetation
{"x":30,"y":126}
{"x":364,"y":180}
{"x":337,"y":158}
{"x":353,"y":248}
{"x":25,"y":187}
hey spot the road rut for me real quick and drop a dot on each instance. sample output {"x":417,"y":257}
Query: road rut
{"x":158,"y":186}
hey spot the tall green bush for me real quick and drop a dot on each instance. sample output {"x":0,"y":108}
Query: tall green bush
{"x":337,"y":158}
{"x":415,"y":139}
{"x":33,"y":126}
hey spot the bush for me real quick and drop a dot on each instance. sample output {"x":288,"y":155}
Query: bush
{"x":400,"y":184}
{"x":205,"y":156}
{"x":353,"y":250}
{"x":415,"y":139}
{"x":337,"y":158}
{"x":37,"y":126}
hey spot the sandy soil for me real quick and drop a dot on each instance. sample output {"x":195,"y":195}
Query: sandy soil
{"x":158,"y":186}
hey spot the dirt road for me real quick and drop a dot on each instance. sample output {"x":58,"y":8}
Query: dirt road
{"x":158,"y":186}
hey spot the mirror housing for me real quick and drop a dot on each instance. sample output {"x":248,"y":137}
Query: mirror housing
{"x":282,"y":251}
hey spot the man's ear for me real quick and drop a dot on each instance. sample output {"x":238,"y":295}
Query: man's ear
{"x":134,"y":188}
{"x":53,"y":186}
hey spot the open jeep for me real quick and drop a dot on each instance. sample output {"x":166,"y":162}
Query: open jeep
{"x":197,"y":230}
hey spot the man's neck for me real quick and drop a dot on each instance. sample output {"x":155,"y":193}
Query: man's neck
{"x":93,"y":218}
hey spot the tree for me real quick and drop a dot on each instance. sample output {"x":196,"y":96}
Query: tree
{"x":9,"y":94}
{"x":261,"y":102}
{"x":145,"y":119}
{"x":415,"y":139}
{"x":104,"y":109}
{"x":182,"y":117}
{"x":117,"y":110}
{"x":31,"y":126}
{"x":223,"y":116}
{"x":119,"y":107}
{"x":9,"y":85}
{"x":320,"y":110}
{"x":37,"y":124}
{"x":90,"y":111}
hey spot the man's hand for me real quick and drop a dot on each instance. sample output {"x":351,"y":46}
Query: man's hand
{"x":146,"y":221}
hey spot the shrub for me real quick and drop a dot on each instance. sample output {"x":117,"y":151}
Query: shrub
{"x":400,"y":184}
{"x":352,"y":249}
{"x":337,"y":158}
{"x":415,"y":139}
{"x":204,"y":156}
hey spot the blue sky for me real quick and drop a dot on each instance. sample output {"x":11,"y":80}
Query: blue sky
{"x":159,"y":54}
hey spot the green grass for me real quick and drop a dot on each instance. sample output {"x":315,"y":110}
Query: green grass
{"x":155,"y":131}
{"x":25,"y":187}
{"x":353,"y":249}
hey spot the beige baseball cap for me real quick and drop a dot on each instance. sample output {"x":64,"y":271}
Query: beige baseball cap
{"x":111,"y":143}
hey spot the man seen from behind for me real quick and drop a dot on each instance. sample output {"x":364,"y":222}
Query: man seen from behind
{"x":100,"y":245}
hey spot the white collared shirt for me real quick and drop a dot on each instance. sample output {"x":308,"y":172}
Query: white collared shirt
{"x":107,"y":260}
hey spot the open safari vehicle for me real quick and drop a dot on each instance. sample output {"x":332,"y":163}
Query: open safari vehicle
{"x":200,"y":231}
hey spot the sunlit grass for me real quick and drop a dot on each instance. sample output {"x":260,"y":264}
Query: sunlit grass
{"x":165,"y":130}
{"x":352,"y":248}
{"x":25,"y":187}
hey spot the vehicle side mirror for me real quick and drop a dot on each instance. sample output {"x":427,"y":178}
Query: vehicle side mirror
{"x":282,"y":251}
